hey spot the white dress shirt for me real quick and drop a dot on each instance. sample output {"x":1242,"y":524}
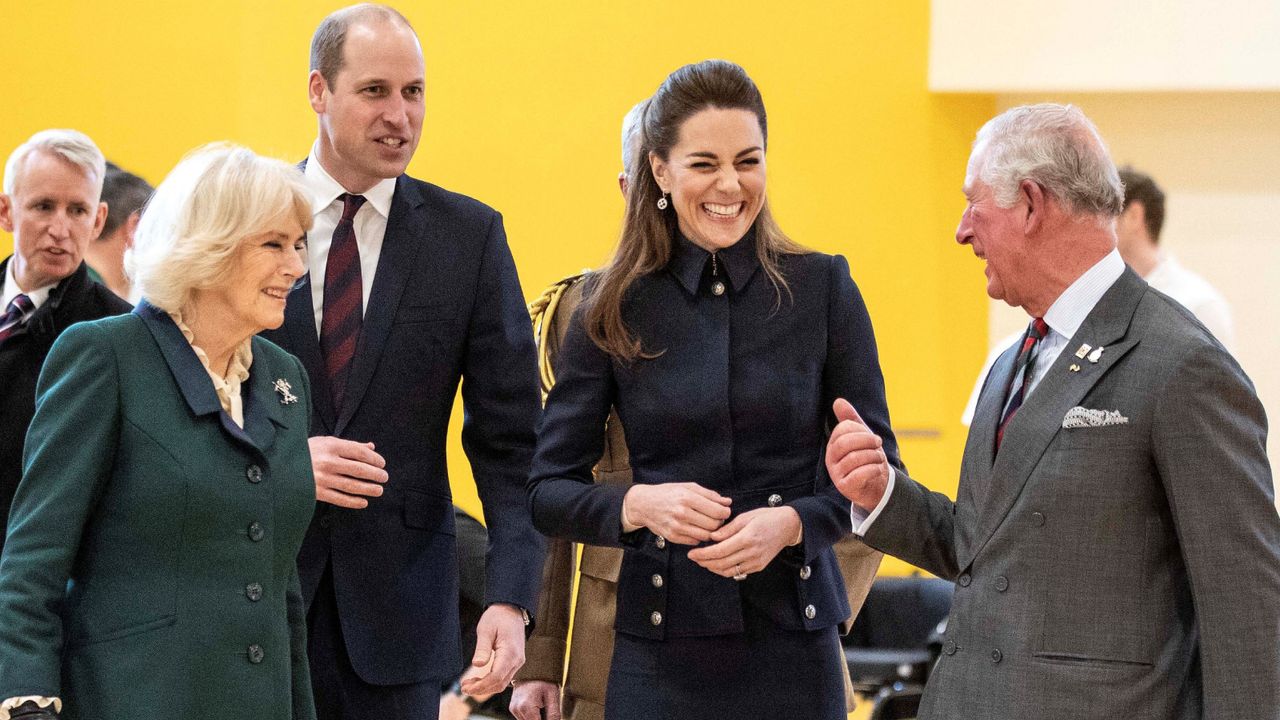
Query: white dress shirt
{"x":1195,"y":294}
{"x":1064,"y":317}
{"x":13,"y":290}
{"x":370,"y":225}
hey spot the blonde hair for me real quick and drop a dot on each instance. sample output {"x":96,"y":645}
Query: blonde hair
{"x":71,"y":145}
{"x":212,"y":200}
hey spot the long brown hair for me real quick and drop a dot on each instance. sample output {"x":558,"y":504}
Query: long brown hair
{"x":647,"y":232}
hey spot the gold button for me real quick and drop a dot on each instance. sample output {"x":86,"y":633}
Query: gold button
{"x":661,"y":542}
{"x":656,"y":618}
{"x":805,"y":572}
{"x":657,"y":580}
{"x":810,"y":611}
{"x":775,"y":500}
{"x":717,"y":288}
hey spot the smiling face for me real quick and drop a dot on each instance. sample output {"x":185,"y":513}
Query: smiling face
{"x":715,"y":174}
{"x":266,"y":266}
{"x":371,"y":116}
{"x":54,"y":214}
{"x":995,"y":235}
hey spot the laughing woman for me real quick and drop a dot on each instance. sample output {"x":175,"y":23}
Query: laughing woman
{"x":149,"y":570}
{"x":722,"y":344}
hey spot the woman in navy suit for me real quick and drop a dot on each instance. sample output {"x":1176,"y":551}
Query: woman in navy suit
{"x":150,"y":569}
{"x":722,"y":344}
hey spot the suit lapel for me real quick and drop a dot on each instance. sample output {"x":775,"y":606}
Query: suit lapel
{"x":300,"y":324}
{"x":400,"y":247}
{"x":979,"y":449}
{"x":263,"y":408}
{"x":1040,"y":418}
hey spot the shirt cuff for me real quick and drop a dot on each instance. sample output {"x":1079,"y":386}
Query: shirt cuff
{"x":861,"y":519}
{"x":43,"y":702}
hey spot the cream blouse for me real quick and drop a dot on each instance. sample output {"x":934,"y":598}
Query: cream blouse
{"x":228,"y":387}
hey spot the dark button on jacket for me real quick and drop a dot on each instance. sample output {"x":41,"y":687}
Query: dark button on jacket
{"x":737,"y":399}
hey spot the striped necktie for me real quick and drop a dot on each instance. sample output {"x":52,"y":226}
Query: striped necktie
{"x":343,"y":310}
{"x":1020,"y":383}
{"x":14,"y":316}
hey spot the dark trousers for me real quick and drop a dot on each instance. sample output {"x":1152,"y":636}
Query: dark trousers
{"x":340,"y":693}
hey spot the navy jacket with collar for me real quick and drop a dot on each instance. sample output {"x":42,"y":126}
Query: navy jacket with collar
{"x":738,"y":400}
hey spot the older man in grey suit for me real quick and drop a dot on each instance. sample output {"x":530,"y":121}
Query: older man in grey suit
{"x":1114,"y":542}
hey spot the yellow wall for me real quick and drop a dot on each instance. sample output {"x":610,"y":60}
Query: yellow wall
{"x":523,"y":106}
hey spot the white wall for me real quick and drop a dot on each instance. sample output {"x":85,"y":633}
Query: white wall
{"x":1217,"y":156}
{"x":1003,"y":46}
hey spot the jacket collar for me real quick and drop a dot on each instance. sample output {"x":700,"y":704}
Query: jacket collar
{"x":261,"y":415}
{"x":738,"y":262}
{"x":44,"y":322}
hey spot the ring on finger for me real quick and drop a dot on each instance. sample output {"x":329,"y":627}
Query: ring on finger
{"x":738,"y":574}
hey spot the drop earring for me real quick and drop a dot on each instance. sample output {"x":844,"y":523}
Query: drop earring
{"x":662,"y":201}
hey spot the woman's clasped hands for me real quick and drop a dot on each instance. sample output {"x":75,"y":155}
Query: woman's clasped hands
{"x":689,"y":514}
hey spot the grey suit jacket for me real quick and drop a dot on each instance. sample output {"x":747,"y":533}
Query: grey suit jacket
{"x":1130,"y":570}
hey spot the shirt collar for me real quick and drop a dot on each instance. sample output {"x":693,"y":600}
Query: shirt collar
{"x":325,"y":190}
{"x":739,"y":261}
{"x":1068,"y":312}
{"x":11,"y":290}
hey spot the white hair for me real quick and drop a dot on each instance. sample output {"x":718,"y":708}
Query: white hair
{"x":631,"y":134}
{"x":1058,"y":148}
{"x":214,"y":198}
{"x":71,"y":145}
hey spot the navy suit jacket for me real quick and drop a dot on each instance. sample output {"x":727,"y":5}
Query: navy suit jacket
{"x":446,"y":306}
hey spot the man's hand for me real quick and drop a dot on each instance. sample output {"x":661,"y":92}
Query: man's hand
{"x":499,"y":649}
{"x":684,"y":513}
{"x":536,"y":700}
{"x":749,"y":542}
{"x":855,"y":458}
{"x":346,"y":471}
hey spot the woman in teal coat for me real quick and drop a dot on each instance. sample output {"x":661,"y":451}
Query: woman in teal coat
{"x":149,"y":570}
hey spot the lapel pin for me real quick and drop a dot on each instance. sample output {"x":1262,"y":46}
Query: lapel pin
{"x":283,"y":387}
{"x":1074,"y":368}
{"x":1093,"y":356}
{"x":1084,"y":350}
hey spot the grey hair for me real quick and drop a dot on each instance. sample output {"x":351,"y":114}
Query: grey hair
{"x":71,"y":145}
{"x":213,"y":200}
{"x":631,"y":134}
{"x":1058,"y":148}
{"x":331,"y":35}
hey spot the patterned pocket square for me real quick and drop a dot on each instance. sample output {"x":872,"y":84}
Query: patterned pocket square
{"x":1083,"y":417}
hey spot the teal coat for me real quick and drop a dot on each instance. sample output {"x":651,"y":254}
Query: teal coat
{"x":150,"y":565}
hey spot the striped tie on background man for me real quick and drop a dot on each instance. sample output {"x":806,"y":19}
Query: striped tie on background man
{"x":14,"y":316}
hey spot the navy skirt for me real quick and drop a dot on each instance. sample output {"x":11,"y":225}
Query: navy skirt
{"x":765,"y":672}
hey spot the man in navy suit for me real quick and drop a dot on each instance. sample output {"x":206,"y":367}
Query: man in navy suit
{"x":412,"y":289}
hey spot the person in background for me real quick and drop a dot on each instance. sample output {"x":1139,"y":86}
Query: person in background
{"x":1114,"y":539}
{"x":1138,"y":235}
{"x":125,"y":195}
{"x":150,"y":568}
{"x":50,"y":203}
{"x":412,"y":291}
{"x":719,"y":342}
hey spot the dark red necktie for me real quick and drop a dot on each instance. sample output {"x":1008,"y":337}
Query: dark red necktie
{"x":1020,"y":383}
{"x":343,"y":310}
{"x":12,"y":320}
